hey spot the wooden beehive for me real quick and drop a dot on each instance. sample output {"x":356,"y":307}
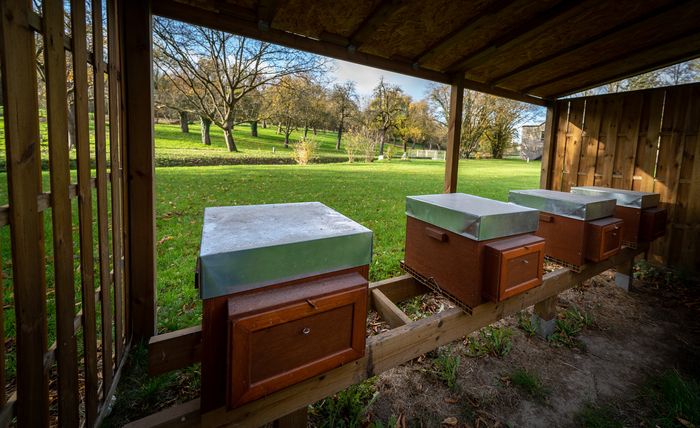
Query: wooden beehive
{"x":472,"y":248}
{"x":644,"y":219}
{"x":284,"y":291}
{"x":575,"y":227}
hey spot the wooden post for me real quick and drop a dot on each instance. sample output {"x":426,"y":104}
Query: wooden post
{"x":550,"y":144}
{"x":140,"y":171}
{"x":544,"y":317}
{"x":624,"y":275}
{"x":454,"y":133}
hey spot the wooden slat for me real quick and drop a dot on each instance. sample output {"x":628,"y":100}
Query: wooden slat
{"x":589,"y":142}
{"x":87,"y":270}
{"x":627,"y":140}
{"x":141,"y":170}
{"x":389,"y":312}
{"x":612,"y":110}
{"x":573,"y":144}
{"x":559,"y":152}
{"x":115,"y":140}
{"x":650,"y":129}
{"x":61,"y":214}
{"x":3,"y":387}
{"x":454,"y":130}
{"x":550,"y":129}
{"x":399,"y":288}
{"x":384,"y":351}
{"x":102,"y":179}
{"x":43,"y":201}
{"x":174,"y":350}
{"x":21,"y":115}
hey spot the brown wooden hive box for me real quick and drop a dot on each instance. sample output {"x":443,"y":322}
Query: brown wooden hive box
{"x":644,"y":219}
{"x":284,"y":291}
{"x":575,"y":227}
{"x":472,"y":248}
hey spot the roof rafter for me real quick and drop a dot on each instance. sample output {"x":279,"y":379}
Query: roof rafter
{"x":465,"y":28}
{"x":513,"y":36}
{"x":690,"y":36}
{"x":380,"y":13}
{"x":609,"y":34}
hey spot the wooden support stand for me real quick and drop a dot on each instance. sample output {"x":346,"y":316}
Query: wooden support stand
{"x":544,"y":318}
{"x":384,"y":351}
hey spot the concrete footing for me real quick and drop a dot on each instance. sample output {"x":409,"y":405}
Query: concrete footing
{"x":623,"y":281}
{"x":543,"y":328}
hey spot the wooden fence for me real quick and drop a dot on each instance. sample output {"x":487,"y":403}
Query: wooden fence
{"x":67,"y":244}
{"x":643,"y":140}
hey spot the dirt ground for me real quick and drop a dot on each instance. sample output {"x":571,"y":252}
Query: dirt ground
{"x":632,"y":335}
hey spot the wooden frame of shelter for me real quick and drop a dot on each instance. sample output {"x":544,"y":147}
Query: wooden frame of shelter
{"x":535,"y":52}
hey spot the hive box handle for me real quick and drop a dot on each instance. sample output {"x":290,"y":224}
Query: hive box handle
{"x":546,"y":218}
{"x":436,"y":234}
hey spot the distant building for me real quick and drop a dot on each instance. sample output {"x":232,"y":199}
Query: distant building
{"x":532,"y":141}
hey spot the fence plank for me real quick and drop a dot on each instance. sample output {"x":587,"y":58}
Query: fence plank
{"x":21,"y":115}
{"x":650,"y":129}
{"x":573,"y":144}
{"x":3,"y":385}
{"x":116,"y":174}
{"x":102,"y":179}
{"x":560,"y":150}
{"x":589,"y":142}
{"x":61,"y":214}
{"x":78,"y":28}
{"x":627,"y":139}
{"x":608,"y":144}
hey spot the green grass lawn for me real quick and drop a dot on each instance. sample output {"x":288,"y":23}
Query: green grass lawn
{"x":371,"y":194}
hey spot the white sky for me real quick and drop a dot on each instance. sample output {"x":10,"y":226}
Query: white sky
{"x":366,"y":78}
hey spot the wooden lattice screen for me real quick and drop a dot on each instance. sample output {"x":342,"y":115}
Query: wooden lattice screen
{"x":63,"y":322}
{"x":643,"y":140}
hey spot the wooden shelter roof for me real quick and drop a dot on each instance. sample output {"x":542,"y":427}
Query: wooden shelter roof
{"x":521,"y":49}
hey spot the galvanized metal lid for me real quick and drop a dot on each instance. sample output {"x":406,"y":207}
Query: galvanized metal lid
{"x":625,"y":198}
{"x":252,"y":246}
{"x":580,"y":207}
{"x":472,"y":216}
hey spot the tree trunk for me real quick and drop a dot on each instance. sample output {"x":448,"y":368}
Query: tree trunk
{"x":405,"y":145}
{"x":71,"y":126}
{"x":314,"y":129}
{"x":279,"y":128}
{"x":287,"y":131}
{"x":228,"y":137}
{"x":306,"y":130}
{"x":184,"y":122}
{"x":382,"y":136}
{"x":254,"y":128}
{"x":264,"y":124}
{"x":340,"y":135}
{"x":206,"y":126}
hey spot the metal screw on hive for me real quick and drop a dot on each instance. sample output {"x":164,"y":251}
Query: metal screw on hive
{"x":434,"y":286}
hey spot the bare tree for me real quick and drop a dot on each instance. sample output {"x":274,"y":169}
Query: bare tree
{"x":388,"y":104}
{"x":343,"y":99}
{"x":221,"y":68}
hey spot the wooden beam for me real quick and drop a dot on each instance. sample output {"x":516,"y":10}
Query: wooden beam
{"x":668,"y":43}
{"x":388,"y":310}
{"x":399,"y":288}
{"x":174,"y":350}
{"x":550,"y":143}
{"x":454,"y":132}
{"x":297,"y":419}
{"x":609,"y":34}
{"x":380,"y":13}
{"x":384,"y":351}
{"x":329,"y":45}
{"x":267,"y":9}
{"x":513,"y":36}
{"x":140,"y":168}
{"x":21,"y":115}
{"x":456,"y":37}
